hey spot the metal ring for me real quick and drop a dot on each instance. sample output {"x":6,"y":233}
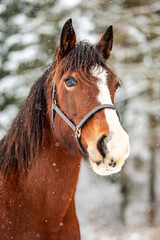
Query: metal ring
{"x":78,"y":132}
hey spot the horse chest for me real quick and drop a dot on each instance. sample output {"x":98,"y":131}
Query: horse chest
{"x":31,"y":217}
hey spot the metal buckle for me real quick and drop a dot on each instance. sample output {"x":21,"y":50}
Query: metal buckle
{"x":54,"y":103}
{"x":78,"y":132}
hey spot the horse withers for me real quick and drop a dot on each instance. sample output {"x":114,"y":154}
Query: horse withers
{"x":68,"y":115}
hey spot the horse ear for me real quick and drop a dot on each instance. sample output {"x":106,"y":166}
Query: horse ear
{"x":106,"y":42}
{"x":67,"y":40}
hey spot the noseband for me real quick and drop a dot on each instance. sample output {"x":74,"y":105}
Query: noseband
{"x":77,"y":128}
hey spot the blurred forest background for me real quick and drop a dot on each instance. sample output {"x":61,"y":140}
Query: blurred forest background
{"x":125,"y":206}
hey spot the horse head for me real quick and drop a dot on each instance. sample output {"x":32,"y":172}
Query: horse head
{"x":83,"y":81}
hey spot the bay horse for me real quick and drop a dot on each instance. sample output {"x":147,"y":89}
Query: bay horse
{"x":68,"y":115}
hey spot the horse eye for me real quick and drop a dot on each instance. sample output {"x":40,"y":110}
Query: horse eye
{"x":117,"y":86}
{"x":71,"y":82}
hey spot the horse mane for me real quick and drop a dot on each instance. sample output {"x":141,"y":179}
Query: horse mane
{"x":25,"y":136}
{"x":26,"y":132}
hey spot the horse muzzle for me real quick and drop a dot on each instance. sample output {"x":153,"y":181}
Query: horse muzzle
{"x":110,"y":153}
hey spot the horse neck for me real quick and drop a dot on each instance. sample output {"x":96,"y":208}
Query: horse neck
{"x":52,"y":179}
{"x":56,"y":169}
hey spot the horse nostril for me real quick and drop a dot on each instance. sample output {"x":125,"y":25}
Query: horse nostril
{"x":101,"y":145}
{"x":112,"y":163}
{"x":98,"y":163}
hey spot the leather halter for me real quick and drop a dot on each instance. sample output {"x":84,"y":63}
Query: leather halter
{"x":77,"y":128}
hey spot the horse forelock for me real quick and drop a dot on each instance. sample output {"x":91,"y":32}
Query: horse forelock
{"x":81,"y":59}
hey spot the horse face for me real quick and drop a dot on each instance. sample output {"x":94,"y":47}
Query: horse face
{"x":105,"y":141}
{"x":108,"y":147}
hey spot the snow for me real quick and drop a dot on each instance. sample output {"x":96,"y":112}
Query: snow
{"x":68,"y":4}
{"x":98,"y":204}
{"x":6,"y":117}
{"x":135,"y":34}
{"x":103,"y":211}
{"x":24,"y":39}
{"x":17,"y":57}
{"x":8,"y":83}
{"x":2,"y":8}
{"x":19,"y":19}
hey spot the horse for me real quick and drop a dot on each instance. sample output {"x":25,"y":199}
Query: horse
{"x":68,"y":116}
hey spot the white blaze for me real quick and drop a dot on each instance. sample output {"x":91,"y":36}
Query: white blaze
{"x":118,"y":144}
